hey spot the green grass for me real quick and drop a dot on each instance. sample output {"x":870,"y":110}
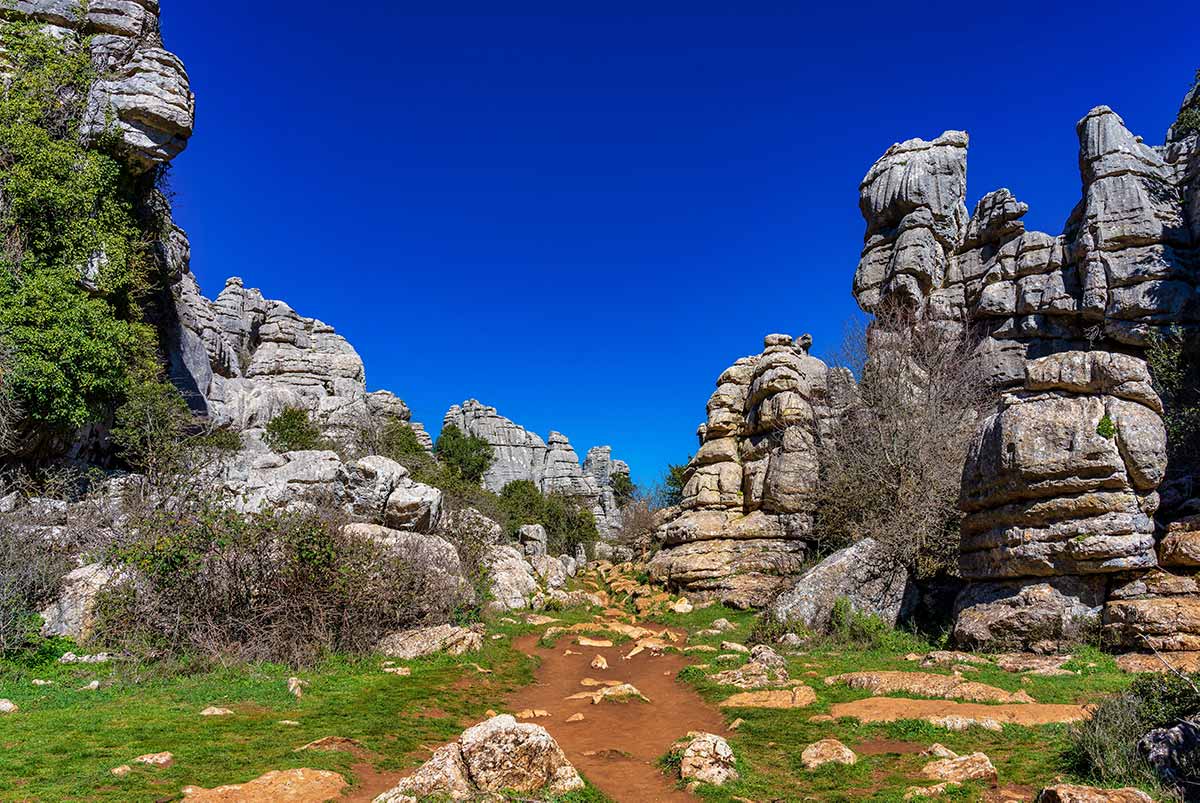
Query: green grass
{"x":63,"y":742}
{"x":769,"y":742}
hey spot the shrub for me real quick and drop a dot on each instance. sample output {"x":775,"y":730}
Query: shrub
{"x":638,"y":521}
{"x":891,"y":468}
{"x":149,"y":427}
{"x":399,"y":440}
{"x":470,"y":457}
{"x":31,"y":571}
{"x":623,"y":489}
{"x":1176,"y":377}
{"x":278,"y":586}
{"x":567,"y":523}
{"x":1189,"y":118}
{"x":1104,"y":747}
{"x":1106,"y":428}
{"x":671,"y":492}
{"x":292,"y":431}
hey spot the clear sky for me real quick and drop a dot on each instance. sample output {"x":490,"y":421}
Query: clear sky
{"x":582,"y":217}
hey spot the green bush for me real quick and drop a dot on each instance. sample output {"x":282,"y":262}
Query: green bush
{"x":1106,"y":428}
{"x":672,"y":486}
{"x":1189,"y":119}
{"x":293,"y":431}
{"x":69,"y":212}
{"x":623,"y":489}
{"x":567,"y":523}
{"x":467,"y":455}
{"x":1176,"y":376}
{"x":399,"y":440}
{"x":1104,"y":747}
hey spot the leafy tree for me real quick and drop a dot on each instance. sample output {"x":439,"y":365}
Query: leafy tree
{"x":567,"y":523}
{"x":75,"y":264}
{"x":470,"y":457}
{"x":293,"y":431}
{"x":673,"y":483}
{"x":623,"y":489}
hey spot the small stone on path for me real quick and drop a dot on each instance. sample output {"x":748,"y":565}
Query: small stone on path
{"x":402,"y":671}
{"x":733,"y":646}
{"x":584,"y":641}
{"x":214,"y":711}
{"x":8,"y":707}
{"x":575,"y":718}
{"x":599,"y":662}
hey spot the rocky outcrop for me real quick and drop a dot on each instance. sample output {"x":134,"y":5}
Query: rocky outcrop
{"x":246,"y":358}
{"x":750,"y":491}
{"x":141,"y":91}
{"x":552,"y":465}
{"x":1125,"y":264}
{"x":1060,"y":486}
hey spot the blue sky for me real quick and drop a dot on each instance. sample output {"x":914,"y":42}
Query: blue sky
{"x":581,"y":218}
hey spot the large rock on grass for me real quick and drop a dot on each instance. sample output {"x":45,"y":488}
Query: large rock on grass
{"x":862,"y":574}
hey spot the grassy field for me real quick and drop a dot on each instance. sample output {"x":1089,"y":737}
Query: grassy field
{"x":64,"y":741}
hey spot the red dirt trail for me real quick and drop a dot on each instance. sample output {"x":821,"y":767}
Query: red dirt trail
{"x":618,"y":744}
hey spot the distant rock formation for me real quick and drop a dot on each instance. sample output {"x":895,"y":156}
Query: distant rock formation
{"x":1060,"y":487}
{"x":246,"y":358}
{"x":552,"y":465}
{"x":750,"y":491}
{"x":142,"y":89}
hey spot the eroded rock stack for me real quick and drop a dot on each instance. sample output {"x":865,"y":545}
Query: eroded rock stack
{"x":749,"y":496}
{"x":552,"y":464}
{"x":1059,"y":493}
{"x":1060,"y":488}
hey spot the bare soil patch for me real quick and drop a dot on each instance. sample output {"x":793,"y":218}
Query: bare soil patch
{"x":617,"y":744}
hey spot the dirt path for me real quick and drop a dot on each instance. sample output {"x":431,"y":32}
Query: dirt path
{"x":617,"y":745}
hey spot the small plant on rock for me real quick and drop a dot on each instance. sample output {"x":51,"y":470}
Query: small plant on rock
{"x":1106,"y":428}
{"x":292,"y":431}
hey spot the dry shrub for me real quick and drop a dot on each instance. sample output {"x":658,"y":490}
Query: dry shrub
{"x":639,"y":519}
{"x":893,"y":468}
{"x":285,"y":586}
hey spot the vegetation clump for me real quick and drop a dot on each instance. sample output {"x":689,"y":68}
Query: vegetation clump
{"x":568,"y":525}
{"x":76,"y":266}
{"x":1189,"y":118}
{"x":292,"y":430}
{"x":467,"y":456}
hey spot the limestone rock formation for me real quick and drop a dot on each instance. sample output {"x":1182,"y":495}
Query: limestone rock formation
{"x":750,"y":491}
{"x":552,"y":465}
{"x":246,"y":358}
{"x":1125,"y":264}
{"x":141,"y":89}
{"x":1060,"y":487}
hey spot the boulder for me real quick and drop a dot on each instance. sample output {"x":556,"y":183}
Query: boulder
{"x":71,"y":614}
{"x":422,"y":641}
{"x":1042,"y":616}
{"x":1074,"y":793}
{"x":468,"y":525}
{"x":550,"y":571}
{"x":413,"y":506}
{"x":444,"y":775}
{"x":532,"y":538}
{"x":975,"y":767}
{"x":860,"y":573}
{"x":503,"y":755}
{"x":706,"y":758}
{"x":826,"y":751}
{"x":512,"y":584}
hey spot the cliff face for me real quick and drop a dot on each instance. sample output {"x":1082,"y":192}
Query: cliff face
{"x":1125,"y":264}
